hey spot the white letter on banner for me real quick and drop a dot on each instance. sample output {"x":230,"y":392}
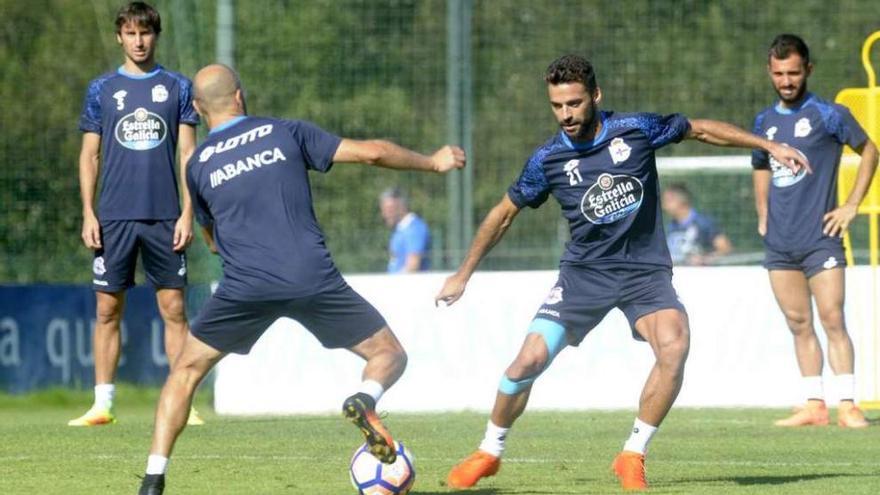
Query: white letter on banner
{"x":158,"y":353}
{"x":84,"y":352}
{"x":58,"y":346}
{"x":10,"y":350}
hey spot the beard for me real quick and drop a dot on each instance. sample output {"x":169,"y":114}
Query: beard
{"x":799,"y":93}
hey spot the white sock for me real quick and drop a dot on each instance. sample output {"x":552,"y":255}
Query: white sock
{"x":156,"y":464}
{"x":493,"y":442}
{"x":372,"y":388}
{"x":104,"y":393}
{"x":641,"y":436}
{"x":812,"y":387}
{"x":845,"y":387}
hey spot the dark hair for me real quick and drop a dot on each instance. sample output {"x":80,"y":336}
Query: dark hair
{"x":785,"y":44}
{"x":569,"y":69}
{"x":681,"y":189}
{"x":139,"y":13}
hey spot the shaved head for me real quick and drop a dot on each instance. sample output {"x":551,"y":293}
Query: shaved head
{"x":215,"y":88}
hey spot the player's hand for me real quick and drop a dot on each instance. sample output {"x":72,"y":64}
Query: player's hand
{"x":452,"y":290}
{"x":183,"y":234}
{"x":448,"y":158}
{"x":790,"y":157}
{"x":837,"y":221}
{"x":91,"y":232}
{"x":762,"y":226}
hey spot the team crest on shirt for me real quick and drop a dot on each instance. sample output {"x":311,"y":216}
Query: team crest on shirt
{"x":141,"y":130}
{"x":771,"y":132}
{"x":98,"y":266}
{"x":611,"y":198}
{"x":119,"y":96}
{"x":554,"y":296}
{"x":160,"y":94}
{"x":619,"y":150}
{"x":802,"y":128}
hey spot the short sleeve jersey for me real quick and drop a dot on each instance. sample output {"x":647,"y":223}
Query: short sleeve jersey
{"x":411,"y":236}
{"x":137,"y":117}
{"x":797,"y":202}
{"x":692,"y":236}
{"x":249,"y":183}
{"x":608,"y":189}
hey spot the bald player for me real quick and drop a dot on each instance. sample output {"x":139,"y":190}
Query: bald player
{"x":250,"y":191}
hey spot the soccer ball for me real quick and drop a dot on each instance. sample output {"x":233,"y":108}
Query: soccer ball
{"x":371,"y":477}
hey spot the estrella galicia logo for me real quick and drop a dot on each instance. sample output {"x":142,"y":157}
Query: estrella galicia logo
{"x":141,"y":130}
{"x":611,"y":198}
{"x":782,"y":175}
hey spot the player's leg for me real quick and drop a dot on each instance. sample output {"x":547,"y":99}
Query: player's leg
{"x":828,"y":289}
{"x":668,"y":333}
{"x":340,"y":318}
{"x":545,"y":339}
{"x":385,"y":363}
{"x":112,"y":273}
{"x":792,"y":292}
{"x":165,"y":269}
{"x":656,"y":316}
{"x":193,"y":362}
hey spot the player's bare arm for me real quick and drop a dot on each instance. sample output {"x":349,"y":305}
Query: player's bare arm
{"x":761,"y":183}
{"x":183,"y":229}
{"x":837,"y":221}
{"x":386,"y":154}
{"x":723,"y":134}
{"x":490,"y":232}
{"x":89,"y":165}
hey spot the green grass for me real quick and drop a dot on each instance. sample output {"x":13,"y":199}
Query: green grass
{"x":696,"y":451}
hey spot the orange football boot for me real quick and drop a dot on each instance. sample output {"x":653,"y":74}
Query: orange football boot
{"x":630,"y":470}
{"x":850,"y":416}
{"x":478,"y":465}
{"x":813,"y":414}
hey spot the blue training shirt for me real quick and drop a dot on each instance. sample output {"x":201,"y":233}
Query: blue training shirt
{"x":797,"y":202}
{"x":249,"y":183}
{"x":695,"y":235}
{"x":608,"y":188}
{"x":137,"y":117}
{"x":411,"y":236}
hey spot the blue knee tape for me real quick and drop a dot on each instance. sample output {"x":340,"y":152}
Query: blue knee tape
{"x":553,"y":333}
{"x":554,"y":337}
{"x":510,"y":387}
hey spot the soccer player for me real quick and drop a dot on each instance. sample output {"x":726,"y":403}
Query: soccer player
{"x":133,"y":119}
{"x":601,"y":169}
{"x":250,"y":188}
{"x":410,"y":243}
{"x":802,"y":224}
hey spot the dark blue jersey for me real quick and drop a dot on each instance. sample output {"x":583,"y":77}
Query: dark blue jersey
{"x":693,"y":236}
{"x":798,"y":202}
{"x":608,"y":189}
{"x":138,"y":117}
{"x":249,"y":183}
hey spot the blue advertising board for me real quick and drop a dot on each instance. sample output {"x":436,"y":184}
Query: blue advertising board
{"x":46,"y":336}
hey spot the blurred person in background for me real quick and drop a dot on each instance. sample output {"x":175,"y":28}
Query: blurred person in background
{"x":410,"y":245}
{"x":133,"y":120}
{"x":693,"y":238}
{"x":802,"y":225}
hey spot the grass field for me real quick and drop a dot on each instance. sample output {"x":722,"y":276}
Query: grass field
{"x":696,"y":451}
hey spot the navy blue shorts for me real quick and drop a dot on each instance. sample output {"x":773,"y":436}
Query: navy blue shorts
{"x":827,"y":254}
{"x":337,"y":318}
{"x":583,"y":295}
{"x":114,"y":264}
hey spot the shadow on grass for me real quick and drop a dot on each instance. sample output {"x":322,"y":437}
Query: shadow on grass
{"x":769,"y":480}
